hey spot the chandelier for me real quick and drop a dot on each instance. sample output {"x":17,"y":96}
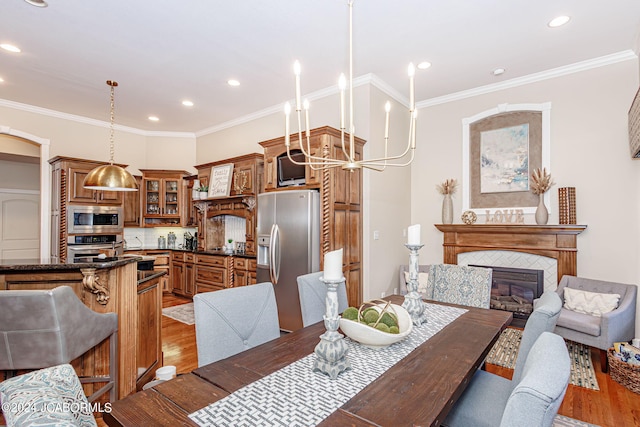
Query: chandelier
{"x":349,"y":162}
{"x":110,"y":177}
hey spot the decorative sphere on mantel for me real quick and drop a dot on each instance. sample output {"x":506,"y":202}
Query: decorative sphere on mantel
{"x":469,"y":217}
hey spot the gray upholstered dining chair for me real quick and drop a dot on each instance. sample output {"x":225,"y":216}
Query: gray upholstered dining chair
{"x":542,"y":319}
{"x":459,"y":284}
{"x":533,"y":400}
{"x":44,"y":328}
{"x":56,"y":388}
{"x":313,"y":293}
{"x":233,"y":320}
{"x":598,"y":331}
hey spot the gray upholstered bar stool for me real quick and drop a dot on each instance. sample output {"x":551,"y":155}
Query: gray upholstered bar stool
{"x":43,"y":328}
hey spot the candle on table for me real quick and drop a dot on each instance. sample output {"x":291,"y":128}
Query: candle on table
{"x":414,"y":235}
{"x":333,"y":265}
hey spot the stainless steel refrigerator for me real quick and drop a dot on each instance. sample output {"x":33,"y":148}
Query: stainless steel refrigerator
{"x":288,"y":246}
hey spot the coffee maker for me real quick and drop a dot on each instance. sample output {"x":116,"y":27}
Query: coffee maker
{"x":190,"y":242}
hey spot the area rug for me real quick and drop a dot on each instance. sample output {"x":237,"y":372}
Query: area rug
{"x":182,"y":313}
{"x":505,"y":352}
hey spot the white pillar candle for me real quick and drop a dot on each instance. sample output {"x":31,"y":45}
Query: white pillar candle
{"x":333,"y":265}
{"x":414,"y":235}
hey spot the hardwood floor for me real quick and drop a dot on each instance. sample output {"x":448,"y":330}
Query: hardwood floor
{"x":613,"y":405}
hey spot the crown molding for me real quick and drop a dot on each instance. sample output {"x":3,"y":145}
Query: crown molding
{"x":88,"y":121}
{"x":370,"y":78}
{"x":319,"y":94}
{"x":577,"y":67}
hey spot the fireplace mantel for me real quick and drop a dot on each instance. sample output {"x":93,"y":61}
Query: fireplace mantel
{"x":553,"y":241}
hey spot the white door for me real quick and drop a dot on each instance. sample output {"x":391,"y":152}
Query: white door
{"x":19,"y":225}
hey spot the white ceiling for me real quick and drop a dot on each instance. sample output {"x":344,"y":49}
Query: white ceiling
{"x":164,"y":51}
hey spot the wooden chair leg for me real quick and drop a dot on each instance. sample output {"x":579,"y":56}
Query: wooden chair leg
{"x":604,"y":363}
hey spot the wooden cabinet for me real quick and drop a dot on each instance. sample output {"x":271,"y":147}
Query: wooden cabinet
{"x":67,"y":177}
{"x":182,"y":273}
{"x":246,"y":183}
{"x":80,"y":195}
{"x":211,"y":272}
{"x":162,"y":198}
{"x":149,"y":341}
{"x":161,"y":263}
{"x":340,"y":195}
{"x":133,"y":205}
{"x":188,"y":212}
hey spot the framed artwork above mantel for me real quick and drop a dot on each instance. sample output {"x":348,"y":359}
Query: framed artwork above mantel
{"x":501,"y":147}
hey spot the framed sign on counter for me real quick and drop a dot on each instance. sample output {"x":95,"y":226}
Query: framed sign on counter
{"x":220,"y":180}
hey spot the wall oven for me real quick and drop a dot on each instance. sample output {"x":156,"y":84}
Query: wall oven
{"x":90,"y":246}
{"x":94,"y":219}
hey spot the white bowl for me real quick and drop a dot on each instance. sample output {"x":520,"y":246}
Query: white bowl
{"x":374,"y":338}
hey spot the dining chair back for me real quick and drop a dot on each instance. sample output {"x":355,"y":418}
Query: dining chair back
{"x":491,"y":400}
{"x":460,"y":284}
{"x":536,"y":398}
{"x":542,"y":319}
{"x":232,"y":320}
{"x":313,"y":295}
{"x":44,"y":328}
{"x":57,"y":389}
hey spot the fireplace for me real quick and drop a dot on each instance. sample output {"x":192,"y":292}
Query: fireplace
{"x":514,"y":289}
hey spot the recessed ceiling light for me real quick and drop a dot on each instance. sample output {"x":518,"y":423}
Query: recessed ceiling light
{"x":187,"y":103}
{"x":498,"y":71}
{"x":37,"y":3}
{"x":233,"y":82}
{"x":558,"y":21}
{"x":424,"y":65}
{"x":10,"y":48}
{"x":1,"y":80}
{"x":154,"y":119}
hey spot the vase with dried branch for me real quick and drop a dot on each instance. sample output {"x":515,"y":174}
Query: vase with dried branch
{"x":447,"y":189}
{"x":540,"y":184}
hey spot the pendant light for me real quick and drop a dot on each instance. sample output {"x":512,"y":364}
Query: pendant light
{"x":110,"y":177}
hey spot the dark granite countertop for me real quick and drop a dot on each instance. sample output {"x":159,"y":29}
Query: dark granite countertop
{"x":195,"y":252}
{"x":39,"y":264}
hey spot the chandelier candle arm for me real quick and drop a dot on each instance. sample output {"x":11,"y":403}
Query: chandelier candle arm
{"x":348,"y":148}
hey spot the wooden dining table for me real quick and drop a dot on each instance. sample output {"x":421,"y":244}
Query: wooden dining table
{"x":419,"y":390}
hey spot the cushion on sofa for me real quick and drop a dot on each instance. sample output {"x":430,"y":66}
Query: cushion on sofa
{"x":592,"y":303}
{"x":584,"y":323}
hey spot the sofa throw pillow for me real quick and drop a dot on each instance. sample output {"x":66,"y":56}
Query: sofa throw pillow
{"x":422,"y":281}
{"x":592,"y":303}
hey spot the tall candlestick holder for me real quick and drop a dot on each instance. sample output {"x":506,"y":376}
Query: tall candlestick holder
{"x":331,"y":351}
{"x":413,"y":302}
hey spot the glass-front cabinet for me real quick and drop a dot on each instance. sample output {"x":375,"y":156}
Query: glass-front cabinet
{"x":162,"y":199}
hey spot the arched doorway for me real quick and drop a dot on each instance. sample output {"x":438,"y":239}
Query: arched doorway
{"x":45,"y":186}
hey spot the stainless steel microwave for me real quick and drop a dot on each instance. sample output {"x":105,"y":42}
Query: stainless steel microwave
{"x":95,"y":219}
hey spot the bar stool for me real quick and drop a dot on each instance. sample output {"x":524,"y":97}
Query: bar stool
{"x":44,"y":328}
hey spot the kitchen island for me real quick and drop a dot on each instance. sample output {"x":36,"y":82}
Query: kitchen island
{"x":104,"y":285}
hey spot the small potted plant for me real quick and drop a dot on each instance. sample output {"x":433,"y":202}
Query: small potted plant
{"x":229,"y":245}
{"x":204,"y":192}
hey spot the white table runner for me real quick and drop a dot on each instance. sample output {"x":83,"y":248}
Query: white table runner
{"x":297,"y":396}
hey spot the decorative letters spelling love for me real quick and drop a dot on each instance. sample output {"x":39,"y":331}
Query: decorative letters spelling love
{"x":513,"y":216}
